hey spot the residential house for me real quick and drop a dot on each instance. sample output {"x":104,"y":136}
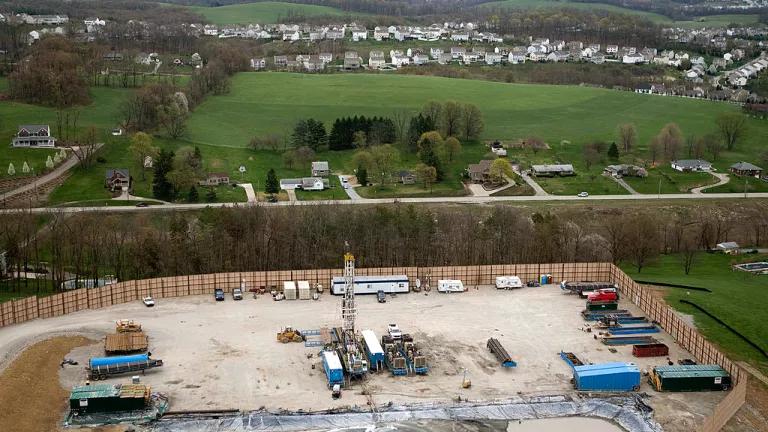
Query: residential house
{"x":43,"y":19}
{"x":312,"y":183}
{"x":435,"y":52}
{"x":94,"y":21}
{"x":117,"y":179}
{"x":688,"y":165}
{"x":380,"y":33}
{"x":210,"y":30}
{"x":625,"y":170}
{"x":33,"y":136}
{"x":517,"y":55}
{"x":376,"y":59}
{"x":612,"y":49}
{"x":314,"y":64}
{"x":537,"y":57}
{"x":258,"y":63}
{"x":728,"y":248}
{"x":215,"y":179}
{"x":334,"y":34}
{"x":746,"y":169}
{"x":470,"y":57}
{"x":557,"y":56}
{"x":460,"y":37}
{"x":458,"y":52}
{"x":292,"y":36}
{"x":406,"y":177}
{"x":643,"y":88}
{"x":320,"y":169}
{"x":399,"y":60}
{"x":316,"y":36}
{"x":632,"y":58}
{"x":493,"y":58}
{"x":597,"y":58}
{"x":444,"y":58}
{"x":280,"y":61}
{"x":352,"y":60}
{"x":561,"y":170}
{"x":359,"y":34}
{"x":480,"y":172}
{"x":420,"y":59}
{"x":325,"y":57}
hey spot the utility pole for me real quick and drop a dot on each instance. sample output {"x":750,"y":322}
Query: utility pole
{"x":746,"y":180}
{"x":659,"y":195}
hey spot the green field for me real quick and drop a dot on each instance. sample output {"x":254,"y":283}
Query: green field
{"x":262,"y":12}
{"x":739,"y":185}
{"x":672,"y":181}
{"x":703,"y":21}
{"x":737,"y":298}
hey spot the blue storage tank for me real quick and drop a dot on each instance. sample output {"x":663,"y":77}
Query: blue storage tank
{"x":333,"y":369}
{"x":607,"y":377}
{"x":110,"y":361}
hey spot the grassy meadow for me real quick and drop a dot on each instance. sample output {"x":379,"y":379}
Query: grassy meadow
{"x":262,"y":12}
{"x":735,"y":298}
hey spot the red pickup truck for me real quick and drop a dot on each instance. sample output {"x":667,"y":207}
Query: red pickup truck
{"x":605,"y":294}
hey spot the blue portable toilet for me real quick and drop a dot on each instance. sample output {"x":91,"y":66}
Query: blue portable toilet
{"x":609,"y":377}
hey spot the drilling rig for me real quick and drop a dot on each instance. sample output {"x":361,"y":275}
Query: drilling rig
{"x":349,"y":350}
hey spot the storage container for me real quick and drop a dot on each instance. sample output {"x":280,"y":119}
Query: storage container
{"x":593,"y":306}
{"x":690,"y":378}
{"x":289,"y":290}
{"x":609,"y":377}
{"x":650,"y":350}
{"x":305,"y":293}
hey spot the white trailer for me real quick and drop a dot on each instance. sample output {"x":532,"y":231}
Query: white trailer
{"x":289,"y":290}
{"x":450,"y":286}
{"x":508,"y":282}
{"x":304,"y":290}
{"x":397,"y":284}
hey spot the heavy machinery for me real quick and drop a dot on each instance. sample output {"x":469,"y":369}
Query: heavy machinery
{"x":352,"y":355}
{"x":126,"y":326}
{"x":416,"y":361}
{"x":289,"y":334}
{"x":393,"y":357}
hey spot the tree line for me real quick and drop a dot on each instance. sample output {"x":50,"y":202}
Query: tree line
{"x":142,"y":245}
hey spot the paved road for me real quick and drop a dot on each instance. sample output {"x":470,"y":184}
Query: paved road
{"x":430,"y":200}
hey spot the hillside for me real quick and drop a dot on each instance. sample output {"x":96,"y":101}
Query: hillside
{"x":263,"y":12}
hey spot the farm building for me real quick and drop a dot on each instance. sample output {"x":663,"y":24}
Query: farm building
{"x":561,"y":170}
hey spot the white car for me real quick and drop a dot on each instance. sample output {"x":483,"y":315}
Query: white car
{"x":394,"y":331}
{"x":148,"y":301}
{"x":583,"y":194}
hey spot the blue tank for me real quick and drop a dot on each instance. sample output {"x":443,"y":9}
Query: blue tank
{"x":111,"y":361}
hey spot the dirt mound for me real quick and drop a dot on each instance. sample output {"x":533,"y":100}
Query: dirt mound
{"x":30,"y":393}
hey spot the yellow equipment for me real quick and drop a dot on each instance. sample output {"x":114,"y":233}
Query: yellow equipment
{"x":289,"y":334}
{"x":127,"y":326}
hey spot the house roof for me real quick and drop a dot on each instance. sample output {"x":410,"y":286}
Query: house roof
{"x":35,"y":127}
{"x":217,"y":175}
{"x":320,"y":165}
{"x":405,"y":173}
{"x":691,"y":163}
{"x":117,"y":172}
{"x":745,"y":166}
{"x":728,"y":245}
{"x":553,"y":168}
{"x":481,"y":167}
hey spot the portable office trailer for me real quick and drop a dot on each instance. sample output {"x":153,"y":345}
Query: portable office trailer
{"x":607,"y":377}
{"x":289,"y":290}
{"x":450,"y":285}
{"x":397,"y":284}
{"x":688,"y":378}
{"x":305,"y":293}
{"x":332,"y":366}
{"x":508,"y":282}
{"x":373,"y":350}
{"x":109,"y":398}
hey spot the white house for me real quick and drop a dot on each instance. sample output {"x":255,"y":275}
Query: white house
{"x":612,"y":49}
{"x":359,"y":34}
{"x":34,"y":136}
{"x":633,"y":58}
{"x":493,"y":58}
{"x":400,"y":60}
{"x":420,"y":59}
{"x":688,"y":165}
{"x":435,"y":52}
{"x":376,"y":59}
{"x":94,"y":21}
{"x":380,"y":33}
{"x":258,"y":63}
{"x":460,"y":37}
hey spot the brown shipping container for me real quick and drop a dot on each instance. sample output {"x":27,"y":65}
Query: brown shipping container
{"x":650,"y":350}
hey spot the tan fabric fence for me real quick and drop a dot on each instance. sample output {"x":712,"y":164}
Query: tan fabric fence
{"x":19,"y":311}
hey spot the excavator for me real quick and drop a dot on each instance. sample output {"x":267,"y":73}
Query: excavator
{"x":289,"y":334}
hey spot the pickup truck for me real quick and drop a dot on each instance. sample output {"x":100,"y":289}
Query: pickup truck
{"x":605,"y":294}
{"x":237,"y":294}
{"x":218,"y":294}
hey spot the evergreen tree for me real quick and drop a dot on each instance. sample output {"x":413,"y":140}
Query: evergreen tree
{"x":210,"y":196}
{"x":161,"y":186}
{"x":362,"y":175}
{"x":271,"y":185}
{"x":317,"y":136}
{"x":192,"y":195}
{"x":418,"y":126}
{"x":613,"y":151}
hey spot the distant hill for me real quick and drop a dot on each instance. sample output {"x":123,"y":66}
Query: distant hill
{"x":262,"y":12}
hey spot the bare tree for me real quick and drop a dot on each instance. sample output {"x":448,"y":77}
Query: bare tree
{"x":451,"y":117}
{"x":732,"y":128}
{"x":627,"y":136}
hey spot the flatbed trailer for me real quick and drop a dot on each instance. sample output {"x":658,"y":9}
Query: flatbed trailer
{"x":501,"y":353}
{"x":571,"y":359}
{"x":630,"y":329}
{"x":597,"y":314}
{"x":628,"y":340}
{"x":101,"y":372}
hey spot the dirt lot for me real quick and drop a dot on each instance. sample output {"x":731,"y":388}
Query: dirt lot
{"x":221,"y":355}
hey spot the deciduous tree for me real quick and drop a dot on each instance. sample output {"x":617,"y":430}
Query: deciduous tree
{"x":141,"y":147}
{"x":627,"y":136}
{"x":732,"y":127}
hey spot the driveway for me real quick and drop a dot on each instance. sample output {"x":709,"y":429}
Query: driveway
{"x":623,"y":184}
{"x":479,"y":190}
{"x":537,"y":190}
{"x":249,"y":192}
{"x":349,"y":189}
{"x":291,"y":195}
{"x":722,"y":179}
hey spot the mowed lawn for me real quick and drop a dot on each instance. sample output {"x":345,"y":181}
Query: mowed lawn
{"x":262,"y":103}
{"x":262,"y":12}
{"x":103,"y":113}
{"x":737,"y":298}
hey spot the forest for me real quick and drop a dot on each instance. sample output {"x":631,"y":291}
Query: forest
{"x":143,"y":245}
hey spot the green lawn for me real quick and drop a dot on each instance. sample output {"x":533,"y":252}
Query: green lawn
{"x":103,"y":113}
{"x":334,"y":192}
{"x":672,"y":181}
{"x":262,"y":12}
{"x":737,"y":185}
{"x":737,"y":298}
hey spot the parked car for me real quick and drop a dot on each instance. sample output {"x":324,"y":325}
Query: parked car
{"x":148,"y":301}
{"x":272,"y":199}
{"x":237,"y":294}
{"x":583,"y":194}
{"x":381,"y":296}
{"x":142,"y":204}
{"x":394,"y":331}
{"x":218,"y":294}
